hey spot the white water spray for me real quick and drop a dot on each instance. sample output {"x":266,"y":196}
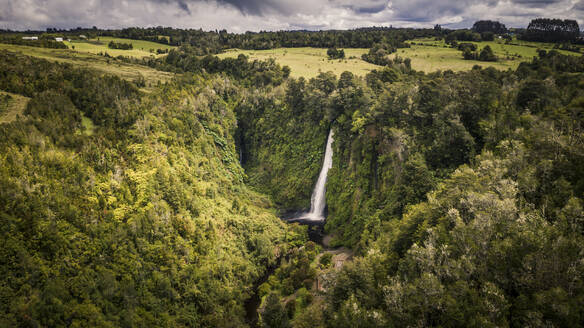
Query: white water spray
{"x":318,"y":200}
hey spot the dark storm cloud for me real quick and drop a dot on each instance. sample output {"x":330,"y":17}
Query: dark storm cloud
{"x":427,"y":11}
{"x":536,"y":3}
{"x":247,"y":7}
{"x":182,"y":5}
{"x":363,"y":7}
{"x":579,"y":6}
{"x":287,"y":7}
{"x":368,"y":10}
{"x":253,"y":7}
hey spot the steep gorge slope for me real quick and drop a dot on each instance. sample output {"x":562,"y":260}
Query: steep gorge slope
{"x":461,"y":192}
{"x":144,"y":222}
{"x":282,"y":136}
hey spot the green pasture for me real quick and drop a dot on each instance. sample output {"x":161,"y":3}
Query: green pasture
{"x":308,"y":62}
{"x":100,"y":45}
{"x":427,"y":55}
{"x":430,"y":55}
{"x":126,"y":71}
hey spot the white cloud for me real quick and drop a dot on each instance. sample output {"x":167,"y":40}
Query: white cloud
{"x":255,"y":15}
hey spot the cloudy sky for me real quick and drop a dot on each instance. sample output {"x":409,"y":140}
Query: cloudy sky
{"x":255,"y":15}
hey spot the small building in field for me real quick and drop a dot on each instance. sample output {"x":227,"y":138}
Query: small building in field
{"x":30,"y":37}
{"x":82,"y":36}
{"x":59,"y":39}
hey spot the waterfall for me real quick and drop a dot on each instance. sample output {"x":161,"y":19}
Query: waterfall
{"x":318,"y":200}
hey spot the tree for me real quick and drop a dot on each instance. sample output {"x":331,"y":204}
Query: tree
{"x":378,"y":54}
{"x":462,"y":35}
{"x":487,"y":54}
{"x":551,"y":30}
{"x":326,"y":259}
{"x":467,"y":54}
{"x":274,"y":314}
{"x":467,"y":45}
{"x":120,"y":45}
{"x":487,"y":36}
{"x":334,"y":53}
{"x":489,"y":26}
{"x":535,"y":95}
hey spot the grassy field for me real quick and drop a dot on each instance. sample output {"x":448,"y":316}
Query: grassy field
{"x":429,"y":55}
{"x":308,"y":62}
{"x":95,"y":46}
{"x":11,"y":105}
{"x":126,"y":71}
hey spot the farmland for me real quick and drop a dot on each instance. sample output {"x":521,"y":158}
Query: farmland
{"x":429,"y":55}
{"x":426,"y":55}
{"x":124,"y":70}
{"x":308,"y":62}
{"x":100,"y":45}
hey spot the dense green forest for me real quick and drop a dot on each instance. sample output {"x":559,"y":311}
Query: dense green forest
{"x":213,"y":42}
{"x":498,"y":240}
{"x":460,"y":194}
{"x":463,"y":191}
{"x":145,"y":221}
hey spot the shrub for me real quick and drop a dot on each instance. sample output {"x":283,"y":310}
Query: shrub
{"x":334,"y":53}
{"x":120,"y":45}
{"x":467,"y":45}
{"x":487,"y":54}
{"x":326,"y":259}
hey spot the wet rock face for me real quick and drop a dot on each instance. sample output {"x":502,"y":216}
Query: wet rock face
{"x":318,"y":200}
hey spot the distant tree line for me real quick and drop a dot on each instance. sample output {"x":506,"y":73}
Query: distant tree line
{"x":551,"y":30}
{"x":468,"y":35}
{"x":215,"y":41}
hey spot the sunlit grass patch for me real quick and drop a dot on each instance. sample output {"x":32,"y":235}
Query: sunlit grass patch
{"x":11,"y":105}
{"x":100,"y":45}
{"x":431,"y":55}
{"x":308,"y":62}
{"x":127,"y":71}
{"x":88,"y":126}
